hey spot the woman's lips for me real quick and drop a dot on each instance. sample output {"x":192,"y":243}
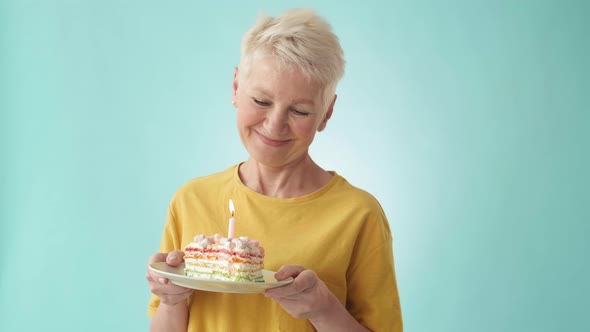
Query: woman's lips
{"x":270,"y":141}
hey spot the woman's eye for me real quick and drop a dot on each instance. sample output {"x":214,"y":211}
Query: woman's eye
{"x":260,"y":102}
{"x":299,"y":113}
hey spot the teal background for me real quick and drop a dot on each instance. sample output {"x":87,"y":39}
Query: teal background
{"x":468,"y":120}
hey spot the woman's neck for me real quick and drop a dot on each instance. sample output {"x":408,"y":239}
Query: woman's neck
{"x":296,"y":179}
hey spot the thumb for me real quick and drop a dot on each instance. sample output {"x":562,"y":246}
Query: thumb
{"x":175,"y":257}
{"x":287,"y":271}
{"x":158,"y":257}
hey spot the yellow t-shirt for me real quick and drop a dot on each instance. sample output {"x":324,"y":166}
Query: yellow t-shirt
{"x":339,"y":231}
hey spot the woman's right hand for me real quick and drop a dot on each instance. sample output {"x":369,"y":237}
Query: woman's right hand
{"x":168,"y":292}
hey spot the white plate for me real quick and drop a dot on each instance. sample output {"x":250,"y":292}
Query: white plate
{"x":176,"y":275}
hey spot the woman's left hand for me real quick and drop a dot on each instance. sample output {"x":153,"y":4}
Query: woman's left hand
{"x":306,"y":297}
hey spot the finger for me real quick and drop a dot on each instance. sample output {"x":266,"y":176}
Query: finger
{"x":304,"y":282}
{"x":179,"y":291}
{"x":168,"y":288}
{"x":287,"y":271}
{"x":152,"y":277}
{"x":175,"y":258}
{"x":159,"y":257}
{"x":184,"y":292}
{"x":158,"y":282}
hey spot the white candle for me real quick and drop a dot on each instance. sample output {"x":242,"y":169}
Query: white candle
{"x":232,"y":221}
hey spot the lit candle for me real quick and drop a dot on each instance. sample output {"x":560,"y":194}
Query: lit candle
{"x":232,"y":221}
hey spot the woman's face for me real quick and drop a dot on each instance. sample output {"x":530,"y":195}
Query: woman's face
{"x":279,"y":112}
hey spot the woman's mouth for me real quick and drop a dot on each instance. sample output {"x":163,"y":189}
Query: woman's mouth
{"x":271,"y":141}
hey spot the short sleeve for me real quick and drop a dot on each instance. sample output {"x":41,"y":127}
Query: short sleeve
{"x":373,"y":297}
{"x":171,"y":237}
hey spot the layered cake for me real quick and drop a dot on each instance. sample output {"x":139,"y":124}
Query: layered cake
{"x":220,"y":258}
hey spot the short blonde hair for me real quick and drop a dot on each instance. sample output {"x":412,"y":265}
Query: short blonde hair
{"x":299,"y":39}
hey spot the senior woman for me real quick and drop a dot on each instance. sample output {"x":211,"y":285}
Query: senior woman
{"x":330,"y":236}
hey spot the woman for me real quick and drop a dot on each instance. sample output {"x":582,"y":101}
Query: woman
{"x":330,"y":236}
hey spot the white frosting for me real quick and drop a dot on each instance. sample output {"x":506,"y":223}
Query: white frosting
{"x":242,"y":245}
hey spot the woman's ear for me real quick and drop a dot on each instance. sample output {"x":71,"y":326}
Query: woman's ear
{"x":234,"y":96}
{"x":328,"y":115}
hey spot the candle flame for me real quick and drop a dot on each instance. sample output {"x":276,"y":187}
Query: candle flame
{"x":231,"y":207}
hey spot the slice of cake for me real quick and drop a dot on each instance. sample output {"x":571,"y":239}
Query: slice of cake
{"x":220,"y":258}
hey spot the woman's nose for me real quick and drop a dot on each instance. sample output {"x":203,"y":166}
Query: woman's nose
{"x":276,"y":121}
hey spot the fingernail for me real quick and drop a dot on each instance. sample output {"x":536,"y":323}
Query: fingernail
{"x":162,"y":280}
{"x":172,"y":257}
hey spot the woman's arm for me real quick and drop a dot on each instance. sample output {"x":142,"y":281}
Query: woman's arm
{"x":336,"y":318}
{"x":170,"y":318}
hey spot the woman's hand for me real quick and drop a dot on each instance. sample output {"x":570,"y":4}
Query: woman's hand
{"x":308,"y":297}
{"x":169,"y":293}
